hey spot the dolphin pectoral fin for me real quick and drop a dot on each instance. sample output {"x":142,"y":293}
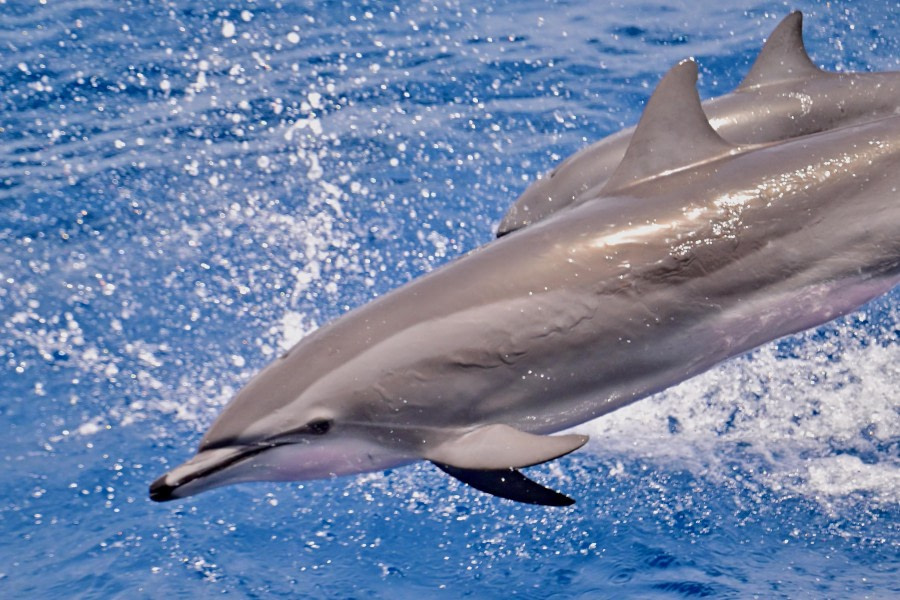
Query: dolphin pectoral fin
{"x":508,"y":483}
{"x":500,"y":447}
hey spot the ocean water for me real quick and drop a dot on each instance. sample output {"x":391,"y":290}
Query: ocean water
{"x":187,"y":187}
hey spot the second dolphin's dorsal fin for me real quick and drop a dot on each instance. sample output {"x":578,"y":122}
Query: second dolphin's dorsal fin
{"x":673,"y":132}
{"x":783,"y":56}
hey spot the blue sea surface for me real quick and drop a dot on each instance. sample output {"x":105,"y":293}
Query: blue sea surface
{"x":187,"y":187}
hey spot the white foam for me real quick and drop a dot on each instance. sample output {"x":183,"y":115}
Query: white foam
{"x":842,"y":474}
{"x":799,"y":415}
{"x":228,"y":29}
{"x":295,"y":326}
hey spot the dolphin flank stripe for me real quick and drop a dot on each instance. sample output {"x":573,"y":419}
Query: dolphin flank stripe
{"x":697,"y":247}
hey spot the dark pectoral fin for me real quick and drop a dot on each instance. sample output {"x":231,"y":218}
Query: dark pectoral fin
{"x":508,"y":483}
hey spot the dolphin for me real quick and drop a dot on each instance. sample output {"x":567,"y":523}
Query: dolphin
{"x":694,"y":250}
{"x":785,"y":95}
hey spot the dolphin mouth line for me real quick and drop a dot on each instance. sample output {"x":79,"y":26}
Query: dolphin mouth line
{"x":162,"y":491}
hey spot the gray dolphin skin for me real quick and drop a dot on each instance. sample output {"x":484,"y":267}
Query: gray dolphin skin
{"x":784,"y":96}
{"x":693,"y":250}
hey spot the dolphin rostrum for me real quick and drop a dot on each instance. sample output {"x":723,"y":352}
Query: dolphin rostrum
{"x":694,"y":251}
{"x":785,"y":95}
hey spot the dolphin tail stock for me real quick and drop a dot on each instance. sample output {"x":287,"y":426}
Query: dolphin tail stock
{"x":487,"y":458}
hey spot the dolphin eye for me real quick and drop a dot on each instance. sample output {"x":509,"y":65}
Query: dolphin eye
{"x":314,"y":427}
{"x":318,"y":427}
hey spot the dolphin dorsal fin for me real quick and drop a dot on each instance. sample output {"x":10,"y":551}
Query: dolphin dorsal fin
{"x":673,"y":132}
{"x":783,"y":56}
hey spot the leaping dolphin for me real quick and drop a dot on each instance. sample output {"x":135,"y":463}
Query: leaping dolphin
{"x":694,"y":250}
{"x":785,"y":95}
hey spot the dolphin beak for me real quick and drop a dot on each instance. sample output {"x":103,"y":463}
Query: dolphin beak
{"x":161,"y":491}
{"x":200,"y":471}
